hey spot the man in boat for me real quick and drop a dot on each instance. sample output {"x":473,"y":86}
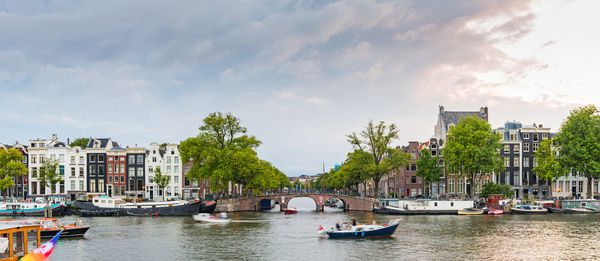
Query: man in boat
{"x":353,"y":221}
{"x":338,"y":226}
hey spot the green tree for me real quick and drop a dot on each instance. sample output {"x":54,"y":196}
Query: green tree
{"x":11,"y":166}
{"x":81,"y":142}
{"x":428,"y":169}
{"x":6,"y":183}
{"x":49,"y":174}
{"x":224,"y":153}
{"x":355,"y":170}
{"x":472,"y":150}
{"x":493,"y":188}
{"x":162,"y":181}
{"x":578,"y":144}
{"x":548,"y":168}
{"x":376,"y":140}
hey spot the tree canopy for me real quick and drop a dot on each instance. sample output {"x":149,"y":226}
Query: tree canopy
{"x":373,"y":155}
{"x":548,"y":168}
{"x":10,"y":166}
{"x":472,"y":150}
{"x":428,"y":168}
{"x":49,"y":175}
{"x":578,"y":146}
{"x":493,"y":188}
{"x":224,"y":153}
{"x":81,"y":142}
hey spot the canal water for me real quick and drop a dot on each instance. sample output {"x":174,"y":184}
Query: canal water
{"x":275,"y":236}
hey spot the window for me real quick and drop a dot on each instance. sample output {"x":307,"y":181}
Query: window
{"x":33,"y":157}
{"x":81,"y":185}
{"x":110,"y":158}
{"x":176,"y":169}
{"x":140,"y":159}
{"x":580,"y":189}
{"x":186,"y":182}
{"x":515,"y":161}
{"x":100,"y":158}
{"x":110,"y":168}
{"x":516,"y":148}
{"x":81,"y":171}
{"x":526,"y":162}
{"x":513,"y":137}
{"x":61,"y":170}
{"x":506,"y":161}
{"x":176,"y":179}
{"x":176,"y":159}
{"x":433,"y":153}
{"x":515,"y":178}
{"x":459,"y":186}
{"x":110,"y":179}
{"x":534,"y":162}
{"x":42,"y":158}
{"x":122,"y":168}
{"x":92,"y":187}
{"x":172,"y":152}
{"x":52,"y":157}
{"x":122,"y":179}
{"x":595,"y":186}
{"x":525,"y":136}
{"x":433,"y":146}
{"x":560,"y":185}
{"x":92,"y":158}
{"x":140,"y":172}
{"x":545,"y":136}
{"x":72,"y":172}
{"x":535,"y":137}
{"x":101,"y":170}
{"x":81,"y":160}
{"x":131,"y":172}
{"x":506,"y":148}
{"x":131,"y":159}
{"x":413,"y":167}
{"x":61,"y":157}
{"x":72,"y":185}
{"x":525,"y":147}
{"x":535,"y":146}
{"x":168,"y":160}
{"x":168,"y":169}
{"x":153,"y":159}
{"x":117,"y":168}
{"x":72,"y":159}
{"x":100,"y":185}
{"x":34,"y":172}
{"x":150,"y":170}
{"x":413,"y":179}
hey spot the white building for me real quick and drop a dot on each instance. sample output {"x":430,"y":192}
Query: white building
{"x":168,"y":160}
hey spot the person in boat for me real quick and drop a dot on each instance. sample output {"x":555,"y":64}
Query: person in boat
{"x":353,"y":221}
{"x":338,"y":226}
{"x":223,"y":215}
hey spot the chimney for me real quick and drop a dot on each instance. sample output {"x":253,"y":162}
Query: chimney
{"x":68,"y":143}
{"x":441,"y":109}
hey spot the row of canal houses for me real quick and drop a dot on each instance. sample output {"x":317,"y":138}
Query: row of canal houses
{"x":105,"y":168}
{"x":519,"y":144}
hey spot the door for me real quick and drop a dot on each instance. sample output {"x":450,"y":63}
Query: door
{"x":468,"y":189}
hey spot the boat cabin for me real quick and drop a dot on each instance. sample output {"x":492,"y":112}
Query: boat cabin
{"x":16,"y":240}
{"x":579,"y":203}
{"x":106,"y":202}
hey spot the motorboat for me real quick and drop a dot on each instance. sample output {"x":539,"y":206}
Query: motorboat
{"x":115,"y":206}
{"x":361,"y":231}
{"x":581,"y":210}
{"x":208,"y":218}
{"x":288,"y":211}
{"x":556,"y":210}
{"x":51,"y":226}
{"x":493,"y":211}
{"x":528,"y":209}
{"x":470,"y":211}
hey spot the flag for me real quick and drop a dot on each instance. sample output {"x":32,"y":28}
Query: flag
{"x":43,"y":252}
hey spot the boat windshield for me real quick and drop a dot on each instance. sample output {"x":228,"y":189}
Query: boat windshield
{"x":49,"y":224}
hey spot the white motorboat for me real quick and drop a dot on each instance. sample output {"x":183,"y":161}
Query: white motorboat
{"x":360,"y":231}
{"x":207,"y":218}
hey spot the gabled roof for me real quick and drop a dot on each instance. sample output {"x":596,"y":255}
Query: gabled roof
{"x":104,"y":143}
{"x":453,"y":117}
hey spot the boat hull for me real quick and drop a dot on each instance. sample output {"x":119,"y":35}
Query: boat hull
{"x":88,"y":209}
{"x":580,"y":211}
{"x":399,"y":211}
{"x":57,"y":210}
{"x":382,"y":232}
{"x":67,"y":232}
{"x":461,"y":212}
{"x":556,"y":210}
{"x":208,"y":207}
{"x":522,"y":211}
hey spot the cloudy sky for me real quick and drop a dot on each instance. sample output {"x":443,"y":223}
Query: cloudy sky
{"x":299,"y":74}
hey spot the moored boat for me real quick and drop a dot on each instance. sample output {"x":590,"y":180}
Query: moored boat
{"x":30,"y":209}
{"x":109,"y":206}
{"x":528,"y":209}
{"x":422,"y":206}
{"x":207,"y":218}
{"x":581,"y":210}
{"x":362,"y":231}
{"x":556,"y":210}
{"x":51,"y":226}
{"x":493,"y":211}
{"x":470,"y":211}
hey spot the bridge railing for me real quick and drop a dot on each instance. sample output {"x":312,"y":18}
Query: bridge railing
{"x":291,"y":192}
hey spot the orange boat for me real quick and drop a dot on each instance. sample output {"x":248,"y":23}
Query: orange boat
{"x":51,"y":226}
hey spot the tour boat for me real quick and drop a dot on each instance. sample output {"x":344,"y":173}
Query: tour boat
{"x":290,"y":211}
{"x":470,"y":211}
{"x":114,"y":206}
{"x":493,"y":211}
{"x":361,"y":231}
{"x":30,"y":209}
{"x":581,"y":210}
{"x":204,"y":217}
{"x":50,"y":226}
{"x":528,"y":209}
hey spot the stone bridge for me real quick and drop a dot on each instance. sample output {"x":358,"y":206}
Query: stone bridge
{"x":351,"y":203}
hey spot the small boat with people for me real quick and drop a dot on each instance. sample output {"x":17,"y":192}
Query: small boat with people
{"x":289,"y":211}
{"x":208,"y":218}
{"x":471,"y":211}
{"x":493,"y":211}
{"x":360,"y":230}
{"x":528,"y":209}
{"x":51,"y":226}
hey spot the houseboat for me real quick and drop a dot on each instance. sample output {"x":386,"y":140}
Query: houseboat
{"x":422,"y":206}
{"x":114,"y":206}
{"x":30,"y":209}
{"x":529,"y":209}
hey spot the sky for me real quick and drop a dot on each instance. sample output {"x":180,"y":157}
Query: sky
{"x":300,"y":75}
